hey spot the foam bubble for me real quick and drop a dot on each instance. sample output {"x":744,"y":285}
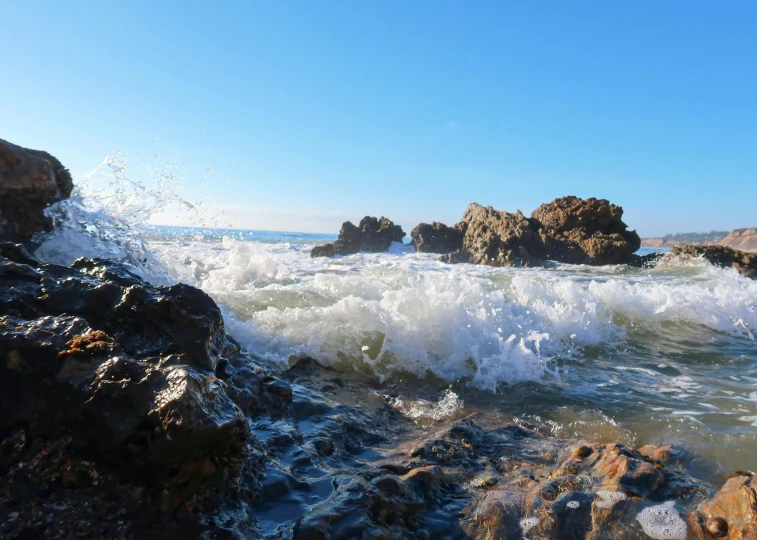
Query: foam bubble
{"x":662,"y":522}
{"x":528,"y":523}
{"x":608,"y":499}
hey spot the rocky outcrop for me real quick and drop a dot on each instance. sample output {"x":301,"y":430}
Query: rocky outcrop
{"x":436,"y":238}
{"x":587,"y":231}
{"x":95,"y":338}
{"x":498,"y":238}
{"x":372,"y":235}
{"x":569,"y":230}
{"x":119,"y":378}
{"x":741,"y":239}
{"x":724,"y":257}
{"x":30,"y":181}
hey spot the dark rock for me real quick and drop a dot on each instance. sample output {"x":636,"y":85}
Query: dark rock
{"x":372,"y":235}
{"x":436,"y":238}
{"x":460,"y":256}
{"x":724,"y":257}
{"x":30,"y":181}
{"x":120,"y":373}
{"x":645,"y":261}
{"x":325,"y":250}
{"x":376,"y":235}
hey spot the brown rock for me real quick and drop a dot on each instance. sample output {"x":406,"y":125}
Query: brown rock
{"x":587,"y":231}
{"x":732,"y":513}
{"x":498,"y":238}
{"x":30,"y":181}
{"x":569,"y":230}
{"x":436,"y":238}
{"x":725,"y":257}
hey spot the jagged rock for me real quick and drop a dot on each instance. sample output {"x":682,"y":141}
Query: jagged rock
{"x":587,"y":231}
{"x":436,"y":238}
{"x":123,"y":371}
{"x":30,"y":181}
{"x":372,"y":235}
{"x":497,"y":238}
{"x":376,"y":235}
{"x":722,"y":256}
{"x":569,"y":230}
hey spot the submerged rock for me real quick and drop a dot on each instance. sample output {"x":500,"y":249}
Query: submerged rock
{"x":30,"y":181}
{"x":372,"y":235}
{"x":436,"y":238}
{"x":724,"y":257}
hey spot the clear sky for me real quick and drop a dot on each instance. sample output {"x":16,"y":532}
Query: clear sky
{"x":411,"y":109}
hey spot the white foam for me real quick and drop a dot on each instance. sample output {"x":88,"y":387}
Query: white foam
{"x":608,"y":499}
{"x":448,"y":404}
{"x":407,"y":312}
{"x":662,"y":522}
{"x":528,"y":523}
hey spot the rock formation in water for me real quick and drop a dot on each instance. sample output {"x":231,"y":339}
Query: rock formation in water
{"x":372,"y":235}
{"x":588,"y":231}
{"x":436,"y":238}
{"x":724,"y":257}
{"x":569,"y":230}
{"x":30,"y":181}
{"x":741,"y":239}
{"x":497,"y":238}
{"x":126,"y":411}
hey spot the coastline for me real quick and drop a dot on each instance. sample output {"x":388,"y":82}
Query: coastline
{"x":131,"y":411}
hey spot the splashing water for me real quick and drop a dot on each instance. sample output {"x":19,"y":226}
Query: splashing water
{"x":108,"y":213}
{"x":665,"y":355}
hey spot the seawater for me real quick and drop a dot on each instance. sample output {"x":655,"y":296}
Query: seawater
{"x":665,"y":355}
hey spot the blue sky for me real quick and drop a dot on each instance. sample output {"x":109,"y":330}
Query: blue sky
{"x":333,"y":110}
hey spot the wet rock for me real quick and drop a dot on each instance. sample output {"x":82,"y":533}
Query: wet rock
{"x":724,"y":257}
{"x":732,"y":512}
{"x":371,"y":235}
{"x":645,"y":261}
{"x":436,"y":238}
{"x":30,"y":181}
{"x":460,"y":256}
{"x":96,"y":360}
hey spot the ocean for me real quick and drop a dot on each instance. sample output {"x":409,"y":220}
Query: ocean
{"x":665,"y":355}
